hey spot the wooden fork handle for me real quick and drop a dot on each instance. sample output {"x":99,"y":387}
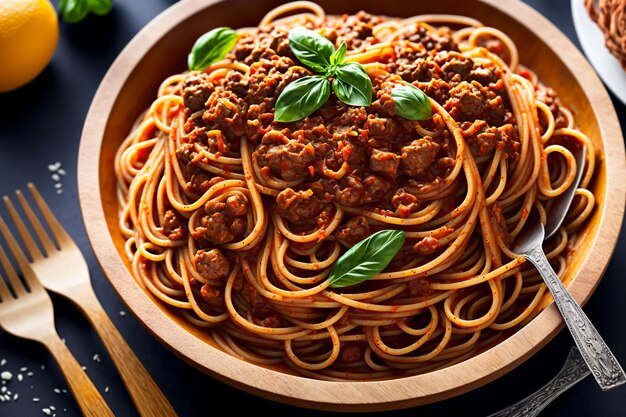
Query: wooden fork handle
{"x":87,"y":396}
{"x":145,"y":393}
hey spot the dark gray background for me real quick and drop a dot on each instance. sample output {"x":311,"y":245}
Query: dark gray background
{"x":41,"y":124}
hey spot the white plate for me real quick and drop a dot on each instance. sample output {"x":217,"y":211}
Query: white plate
{"x":592,"y":40}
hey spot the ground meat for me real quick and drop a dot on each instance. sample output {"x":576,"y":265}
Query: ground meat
{"x":213,"y":296}
{"x":425,"y":70}
{"x":201,"y":181}
{"x":404,"y":203}
{"x":548,"y":96}
{"x":196,"y":91}
{"x":350,"y":191}
{"x":385,"y":163}
{"x":236,"y":206}
{"x":438,"y":90}
{"x":482,"y":139}
{"x":418,"y":156}
{"x":420,"y":288}
{"x":479,"y":136}
{"x":289,"y":161}
{"x":374,"y":188}
{"x":354,"y":231}
{"x":472,"y":101}
{"x":225,"y":111}
{"x":350,"y":352}
{"x":426,"y":246}
{"x":455,"y":66}
{"x":439,"y":40}
{"x":223,"y":222}
{"x":272,"y":321}
{"x":297,"y":206}
{"x":174,"y":225}
{"x":211,"y":264}
{"x":484,"y":75}
{"x":385,"y":127}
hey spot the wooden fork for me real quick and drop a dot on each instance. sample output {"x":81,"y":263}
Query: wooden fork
{"x":63,"y":270}
{"x":28,"y":314}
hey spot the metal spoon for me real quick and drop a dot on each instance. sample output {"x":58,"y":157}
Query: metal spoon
{"x":596,"y":354}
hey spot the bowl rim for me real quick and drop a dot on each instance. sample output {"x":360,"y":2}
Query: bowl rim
{"x":363,"y":395}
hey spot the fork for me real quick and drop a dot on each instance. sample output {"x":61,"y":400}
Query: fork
{"x":62,"y":268}
{"x":574,"y":370}
{"x":28,"y":313}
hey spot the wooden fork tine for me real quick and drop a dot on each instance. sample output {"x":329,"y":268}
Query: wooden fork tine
{"x":20,"y":257}
{"x":16,"y":284}
{"x":57,"y":230}
{"x":5,"y":294}
{"x":32,"y":247}
{"x":48,"y":246}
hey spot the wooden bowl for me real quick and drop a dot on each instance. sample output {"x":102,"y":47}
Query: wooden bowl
{"x":160,"y":49}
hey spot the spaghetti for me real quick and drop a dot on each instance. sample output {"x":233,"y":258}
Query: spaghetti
{"x":610,"y":16}
{"x":236,"y":220}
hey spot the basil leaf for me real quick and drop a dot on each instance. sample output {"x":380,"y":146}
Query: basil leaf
{"x":352,"y":85}
{"x":411,"y":102}
{"x":73,"y":11}
{"x":211,"y":47}
{"x":99,"y":7}
{"x":366,"y":259}
{"x":339,"y":55}
{"x":301,"y":98}
{"x":311,"y":48}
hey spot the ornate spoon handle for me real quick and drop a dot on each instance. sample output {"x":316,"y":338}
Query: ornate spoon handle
{"x":573,"y":370}
{"x":596,"y":354}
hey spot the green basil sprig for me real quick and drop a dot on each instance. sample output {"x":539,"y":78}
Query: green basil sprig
{"x":411,"y":102}
{"x":73,"y":11}
{"x":366,"y":259}
{"x":306,"y":95}
{"x":211,"y":47}
{"x":349,"y":80}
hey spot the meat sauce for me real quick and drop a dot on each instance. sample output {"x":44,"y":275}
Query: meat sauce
{"x":390,"y":164}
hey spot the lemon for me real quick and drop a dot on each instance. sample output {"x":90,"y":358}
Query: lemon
{"x":29,"y":32}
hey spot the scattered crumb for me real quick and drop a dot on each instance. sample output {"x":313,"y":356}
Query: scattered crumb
{"x":58,"y":185}
{"x":52,"y":408}
{"x":122,"y":313}
{"x":30,"y":373}
{"x":35,"y":400}
{"x":106,"y":389}
{"x":54,"y":167}
{"x":15,"y":397}
{"x":57,"y":391}
{"x":3,"y":362}
{"x":20,"y":377}
{"x":43,"y":367}
{"x":60,"y":191}
{"x":96,"y":358}
{"x":23,"y":369}
{"x":84,"y":367}
{"x":64,"y":391}
{"x":55,"y":177}
{"x":46,"y":411}
{"x":6,"y":375}
{"x":61,"y":171}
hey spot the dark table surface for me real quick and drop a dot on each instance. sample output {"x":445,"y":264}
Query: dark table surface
{"x":41,"y":123}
